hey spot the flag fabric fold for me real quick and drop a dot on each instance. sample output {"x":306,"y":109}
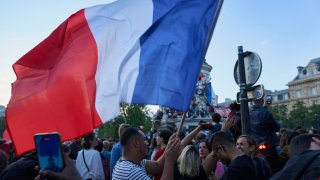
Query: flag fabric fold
{"x":134,"y":51}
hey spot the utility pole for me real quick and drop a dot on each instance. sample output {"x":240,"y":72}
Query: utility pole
{"x":244,"y":108}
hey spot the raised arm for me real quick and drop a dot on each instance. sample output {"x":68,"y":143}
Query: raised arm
{"x":202,"y":126}
{"x":171,"y":155}
{"x":156,"y":167}
{"x":228,"y":123}
{"x":209,"y":164}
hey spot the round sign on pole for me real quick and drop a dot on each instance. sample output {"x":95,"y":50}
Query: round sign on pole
{"x":253,"y":68}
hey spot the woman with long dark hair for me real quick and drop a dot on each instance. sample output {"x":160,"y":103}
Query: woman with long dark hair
{"x":88,"y":160}
{"x":204,"y":151}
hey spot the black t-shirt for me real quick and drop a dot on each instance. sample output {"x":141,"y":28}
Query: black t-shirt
{"x":178,"y":176}
{"x":240,"y":168}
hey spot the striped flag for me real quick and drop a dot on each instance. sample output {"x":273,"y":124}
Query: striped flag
{"x":134,"y":51}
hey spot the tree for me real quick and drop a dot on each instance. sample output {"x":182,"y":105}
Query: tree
{"x":314,"y":115}
{"x":135,"y":115}
{"x":279,"y":113}
{"x":2,"y":125}
{"x":299,"y":115}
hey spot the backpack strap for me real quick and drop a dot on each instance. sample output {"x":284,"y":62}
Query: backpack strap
{"x":84,"y":160}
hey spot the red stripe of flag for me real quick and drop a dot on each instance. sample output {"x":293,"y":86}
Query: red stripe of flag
{"x":55,"y":87}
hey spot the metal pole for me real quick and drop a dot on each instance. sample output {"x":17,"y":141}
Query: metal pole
{"x":181,"y":124}
{"x":245,"y":118}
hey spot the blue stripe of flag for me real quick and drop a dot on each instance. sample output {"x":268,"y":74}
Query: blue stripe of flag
{"x":172,"y":52}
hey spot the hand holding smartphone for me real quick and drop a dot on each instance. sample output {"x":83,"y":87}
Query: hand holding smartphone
{"x":231,"y":118}
{"x":49,"y":151}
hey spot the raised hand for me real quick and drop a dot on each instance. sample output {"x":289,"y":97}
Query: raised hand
{"x":70,"y":172}
{"x":173,"y":148}
{"x":228,"y":123}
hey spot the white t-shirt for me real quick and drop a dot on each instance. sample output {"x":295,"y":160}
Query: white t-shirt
{"x":94,"y":163}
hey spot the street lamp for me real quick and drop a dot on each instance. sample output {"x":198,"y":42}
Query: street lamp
{"x":247,"y":71}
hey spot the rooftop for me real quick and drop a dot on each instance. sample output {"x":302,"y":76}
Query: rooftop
{"x":309,"y":71}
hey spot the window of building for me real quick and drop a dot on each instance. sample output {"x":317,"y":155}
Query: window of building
{"x":275,"y":98}
{"x":280,"y":97}
{"x":298,"y":93}
{"x":313,"y":91}
{"x":304,"y":72}
{"x":286,"y":97}
{"x":311,"y":73}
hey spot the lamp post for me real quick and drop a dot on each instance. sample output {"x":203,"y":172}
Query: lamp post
{"x":245,"y":118}
{"x":247,"y":71}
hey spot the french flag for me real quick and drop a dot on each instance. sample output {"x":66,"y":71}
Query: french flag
{"x":133,"y":51}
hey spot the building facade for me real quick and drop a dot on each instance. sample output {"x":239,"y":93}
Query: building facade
{"x":304,"y":87}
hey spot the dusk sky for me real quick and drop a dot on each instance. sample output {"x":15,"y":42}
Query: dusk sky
{"x":285,"y":34}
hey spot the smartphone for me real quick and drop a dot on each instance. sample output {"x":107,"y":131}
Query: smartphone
{"x":49,"y":151}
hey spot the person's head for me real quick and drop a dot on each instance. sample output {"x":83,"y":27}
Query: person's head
{"x":200,"y":136}
{"x":313,"y":131}
{"x":286,"y":137}
{"x":216,"y":117}
{"x":247,"y":144}
{"x":89,"y":141}
{"x":156,"y":124}
{"x":66,"y":148}
{"x":223,"y":146}
{"x":235,"y":106}
{"x":297,"y":128}
{"x":163,"y":137}
{"x":204,"y":149}
{"x":99,"y":146}
{"x":300,"y":130}
{"x":189,"y":161}
{"x":23,"y":168}
{"x":122,"y":127}
{"x":154,"y":143}
{"x":107,"y":145}
{"x":259,"y":101}
{"x":304,"y":142}
{"x":134,"y":141}
{"x":110,"y":139}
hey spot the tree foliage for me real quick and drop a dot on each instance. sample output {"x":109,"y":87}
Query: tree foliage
{"x":279,"y":113}
{"x":300,"y":115}
{"x":2,"y":125}
{"x":135,"y":115}
{"x":314,"y":115}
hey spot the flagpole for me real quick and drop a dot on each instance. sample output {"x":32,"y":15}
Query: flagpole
{"x":181,"y":124}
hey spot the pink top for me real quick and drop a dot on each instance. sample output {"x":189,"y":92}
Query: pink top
{"x":219,"y":170}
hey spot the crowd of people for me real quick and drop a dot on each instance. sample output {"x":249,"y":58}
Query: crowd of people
{"x":213,"y":150}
